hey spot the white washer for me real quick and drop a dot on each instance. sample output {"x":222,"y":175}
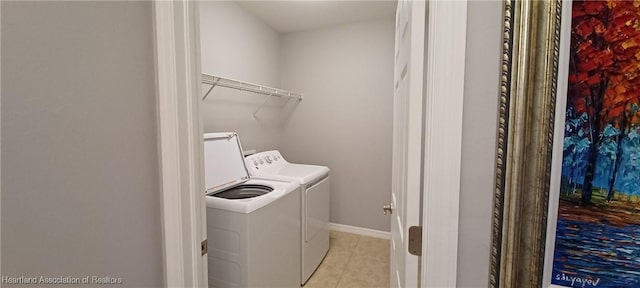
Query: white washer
{"x":315,"y":188}
{"x":253,"y":226}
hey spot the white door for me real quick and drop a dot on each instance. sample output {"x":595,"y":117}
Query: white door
{"x":407,"y":138}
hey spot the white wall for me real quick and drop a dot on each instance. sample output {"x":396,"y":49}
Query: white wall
{"x":345,"y":120}
{"x":484,"y":27}
{"x":80,"y":184}
{"x":237,"y":45}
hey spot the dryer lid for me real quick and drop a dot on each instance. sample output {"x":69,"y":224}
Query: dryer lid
{"x":223,"y":161}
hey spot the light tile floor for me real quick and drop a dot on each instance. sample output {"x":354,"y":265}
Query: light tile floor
{"x":353,"y":261}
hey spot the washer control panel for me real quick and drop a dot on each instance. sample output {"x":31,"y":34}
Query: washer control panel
{"x":267,"y":162}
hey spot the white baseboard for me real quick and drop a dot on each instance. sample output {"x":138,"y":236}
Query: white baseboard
{"x":360,"y":231}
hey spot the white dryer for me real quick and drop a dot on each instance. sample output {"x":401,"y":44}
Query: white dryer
{"x":253,"y":226}
{"x":315,"y":188}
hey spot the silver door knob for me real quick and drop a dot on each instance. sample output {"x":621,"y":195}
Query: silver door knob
{"x":387,"y":208}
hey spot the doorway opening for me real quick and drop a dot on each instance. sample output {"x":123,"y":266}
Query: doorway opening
{"x":314,"y":81}
{"x":181,"y":131}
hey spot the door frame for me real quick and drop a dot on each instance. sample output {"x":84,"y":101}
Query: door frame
{"x":443,"y":112}
{"x":177,"y":54}
{"x":178,"y":89}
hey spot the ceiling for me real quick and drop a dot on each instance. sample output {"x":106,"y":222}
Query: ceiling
{"x":301,"y":15}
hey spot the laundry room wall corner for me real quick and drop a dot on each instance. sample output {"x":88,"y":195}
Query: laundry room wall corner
{"x":237,"y":45}
{"x":345,"y":120}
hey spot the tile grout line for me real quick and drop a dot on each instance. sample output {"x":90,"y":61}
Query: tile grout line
{"x":348,"y":260}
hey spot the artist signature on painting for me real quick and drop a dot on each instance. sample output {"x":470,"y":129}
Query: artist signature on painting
{"x":578,"y":281}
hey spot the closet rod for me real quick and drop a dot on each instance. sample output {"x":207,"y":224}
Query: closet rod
{"x":246,"y":86}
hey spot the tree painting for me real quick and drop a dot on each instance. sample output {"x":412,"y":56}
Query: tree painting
{"x":598,"y":231}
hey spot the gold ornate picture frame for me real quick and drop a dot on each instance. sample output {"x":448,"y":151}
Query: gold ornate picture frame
{"x":528,"y":88}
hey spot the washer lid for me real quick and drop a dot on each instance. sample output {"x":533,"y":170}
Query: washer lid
{"x":306,"y":173}
{"x":223,"y":161}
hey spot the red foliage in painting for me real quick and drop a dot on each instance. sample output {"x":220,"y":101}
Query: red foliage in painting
{"x":604,"y":70}
{"x":606,"y":62}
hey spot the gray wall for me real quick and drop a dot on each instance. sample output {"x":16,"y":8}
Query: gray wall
{"x":237,"y":45}
{"x":484,"y":26}
{"x":345,"y":120}
{"x":80,"y":179}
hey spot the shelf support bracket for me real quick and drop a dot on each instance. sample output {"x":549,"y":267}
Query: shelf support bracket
{"x":263,"y":102}
{"x":210,"y":88}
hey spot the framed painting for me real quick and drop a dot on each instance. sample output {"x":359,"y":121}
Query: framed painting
{"x":597,"y":235}
{"x":567,"y":197}
{"x":528,"y":89}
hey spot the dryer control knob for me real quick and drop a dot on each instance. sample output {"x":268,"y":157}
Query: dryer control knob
{"x":268,"y":159}
{"x":255,"y":162}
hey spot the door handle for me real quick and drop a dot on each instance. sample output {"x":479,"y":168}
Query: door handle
{"x":387,"y":208}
